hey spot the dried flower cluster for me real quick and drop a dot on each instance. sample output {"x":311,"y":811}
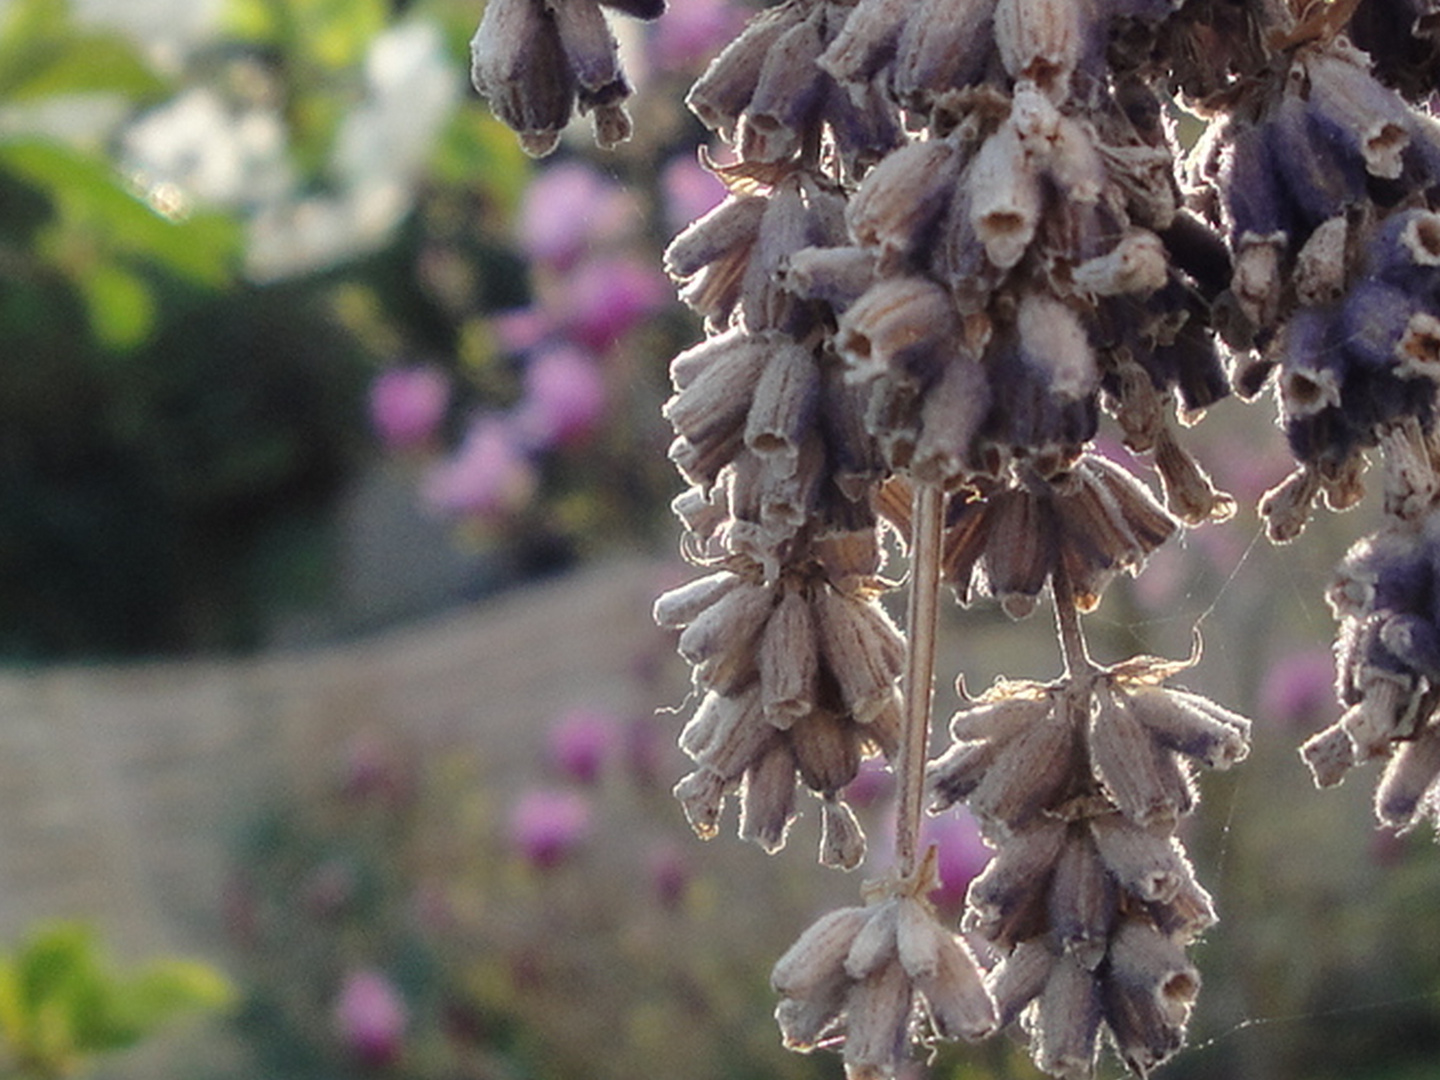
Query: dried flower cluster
{"x":961,"y":234}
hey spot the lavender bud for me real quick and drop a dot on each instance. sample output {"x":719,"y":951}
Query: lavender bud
{"x":944,"y":45}
{"x":722,"y":92}
{"x":1066,"y":1022}
{"x":1147,"y":862}
{"x":518,"y":63}
{"x":1039,"y":40}
{"x":1004,"y":194}
{"x":767,"y":798}
{"x":1406,"y":791}
{"x":787,"y":94}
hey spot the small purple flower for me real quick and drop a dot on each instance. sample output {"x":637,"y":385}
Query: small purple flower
{"x":408,"y":403}
{"x":370,"y":1018}
{"x":547,"y":825}
{"x":564,"y":398}
{"x":488,"y":476}
{"x":568,"y":209}
{"x":690,"y":191}
{"x":691,"y":32}
{"x":581,"y":741}
{"x":607,"y":297}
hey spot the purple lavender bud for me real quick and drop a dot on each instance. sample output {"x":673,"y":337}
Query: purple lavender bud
{"x":408,"y":403}
{"x":1321,"y":176}
{"x":1405,"y":251}
{"x":1255,"y":204}
{"x":370,"y":1018}
{"x":1373,"y":318}
{"x":548,"y":825}
{"x":581,"y":741}
{"x":1415,"y":642}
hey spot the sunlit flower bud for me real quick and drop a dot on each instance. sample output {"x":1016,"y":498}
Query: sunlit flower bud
{"x":788,"y":661}
{"x":370,"y":1018}
{"x":1286,"y":507}
{"x":899,"y":202}
{"x":1147,"y":861}
{"x":1148,"y":991}
{"x":787,"y":95}
{"x":796,"y":216}
{"x":944,"y":45}
{"x":1187,"y":914}
{"x":875,"y":945}
{"x":1255,"y":204}
{"x":862,"y":650}
{"x":1053,"y":338}
{"x":519,"y":64}
{"x":1020,"y":551}
{"x":945,"y":974}
{"x":877,"y":1027}
{"x":827,"y":750}
{"x":722,"y":92}
{"x":1137,"y":265}
{"x":1066,"y":1021}
{"x":1018,"y":979}
{"x":1330,"y":754}
{"x":950,"y":417}
{"x":1257,"y":281}
{"x":1350,"y":104}
{"x":866,"y":43}
{"x":1124,"y":757}
{"x":819,"y":953}
{"x":1405,"y":249}
{"x":1004,"y":195}
{"x":731,"y":225}
{"x":767,"y":798}
{"x":1039,"y":40}
{"x":720,"y":642}
{"x":897,"y":328}
{"x":836,"y":275}
{"x":786,"y":396}
{"x":1007,"y":901}
{"x":1192,"y":725}
{"x":1321,"y":177}
{"x":1081,"y":901}
{"x":1407,"y":790}
{"x":713,"y":407}
{"x":701,"y":795}
{"x":1320,"y":270}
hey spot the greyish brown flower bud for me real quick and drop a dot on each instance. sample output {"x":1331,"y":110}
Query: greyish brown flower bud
{"x":861,"y":975}
{"x":519,"y":64}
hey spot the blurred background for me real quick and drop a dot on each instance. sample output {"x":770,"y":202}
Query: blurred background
{"x":335,"y":739}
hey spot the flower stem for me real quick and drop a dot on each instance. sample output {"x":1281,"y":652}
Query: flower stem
{"x":1078,"y":664}
{"x":926,"y":527}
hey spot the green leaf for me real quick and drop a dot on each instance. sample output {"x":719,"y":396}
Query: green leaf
{"x":42,"y":53}
{"x":120,"y":303}
{"x":80,"y":64}
{"x":91,"y":199}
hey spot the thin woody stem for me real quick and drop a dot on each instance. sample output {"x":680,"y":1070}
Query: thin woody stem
{"x":922,"y":614}
{"x":1073,"y":651}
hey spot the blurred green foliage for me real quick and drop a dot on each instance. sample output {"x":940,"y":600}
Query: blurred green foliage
{"x":62,"y":1005}
{"x":172,"y":435}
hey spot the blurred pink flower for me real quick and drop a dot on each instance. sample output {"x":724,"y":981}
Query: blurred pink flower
{"x":522,"y":329}
{"x":580,"y":742}
{"x":488,"y":476}
{"x":872,"y":785}
{"x":693,"y":31}
{"x":689,"y":189}
{"x":1298,"y":689}
{"x":670,"y":874}
{"x":569,"y":208}
{"x":564,"y":397}
{"x":962,"y":855}
{"x":370,"y":1018}
{"x":547,"y":825}
{"x":408,"y":403}
{"x":606,"y":297}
